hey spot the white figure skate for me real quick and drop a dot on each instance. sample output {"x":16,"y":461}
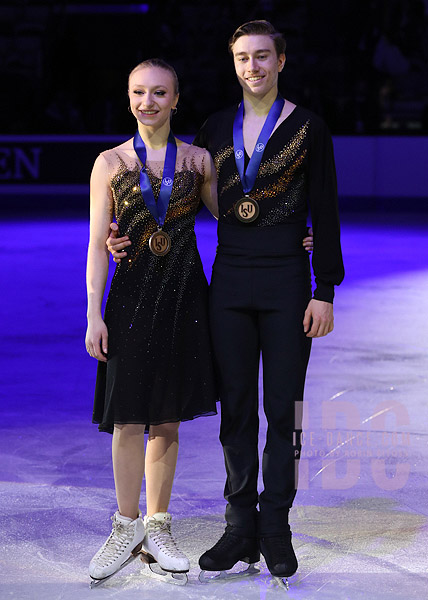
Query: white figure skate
{"x":121,"y":548}
{"x":160,"y":551}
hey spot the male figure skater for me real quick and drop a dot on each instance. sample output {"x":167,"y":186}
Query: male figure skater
{"x":274,"y":160}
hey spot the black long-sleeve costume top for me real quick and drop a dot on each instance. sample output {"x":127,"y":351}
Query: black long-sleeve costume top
{"x":297,"y":173}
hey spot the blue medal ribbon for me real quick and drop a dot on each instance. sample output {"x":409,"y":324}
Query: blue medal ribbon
{"x":248,"y":177}
{"x":157,"y":208}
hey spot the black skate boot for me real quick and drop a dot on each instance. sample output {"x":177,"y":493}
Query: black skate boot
{"x":229,"y":550}
{"x":279,"y":556}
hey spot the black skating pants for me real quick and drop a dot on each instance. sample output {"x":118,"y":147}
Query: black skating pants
{"x":253,"y":310}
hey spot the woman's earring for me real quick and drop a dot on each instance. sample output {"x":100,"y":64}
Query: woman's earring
{"x":174,"y":110}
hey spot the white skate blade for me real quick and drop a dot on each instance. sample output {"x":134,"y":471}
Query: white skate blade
{"x":282,"y":582}
{"x":96,"y":582}
{"x":208,"y":576}
{"x":156,"y":572}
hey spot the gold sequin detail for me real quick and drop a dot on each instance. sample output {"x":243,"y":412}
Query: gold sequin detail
{"x":133,"y":216}
{"x":230,"y":182}
{"x":279,"y":187}
{"x":277,"y":162}
{"x":287,"y":154}
{"x":281,"y":184}
{"x":287,"y":206}
{"x":221,"y":156}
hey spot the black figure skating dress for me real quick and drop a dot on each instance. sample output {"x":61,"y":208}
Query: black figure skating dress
{"x":159,"y":367}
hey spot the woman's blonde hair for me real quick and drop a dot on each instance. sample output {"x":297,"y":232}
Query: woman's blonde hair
{"x":160,"y":64}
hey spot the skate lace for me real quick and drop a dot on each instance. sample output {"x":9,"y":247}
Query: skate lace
{"x":226,"y":542}
{"x":117,"y":542}
{"x":160,"y":534}
{"x":279,"y":546}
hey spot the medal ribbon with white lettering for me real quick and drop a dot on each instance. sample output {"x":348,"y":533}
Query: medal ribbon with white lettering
{"x":157,"y":208}
{"x":247,"y":209}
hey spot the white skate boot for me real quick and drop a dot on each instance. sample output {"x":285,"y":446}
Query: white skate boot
{"x":121,"y":548}
{"x":166,"y":561}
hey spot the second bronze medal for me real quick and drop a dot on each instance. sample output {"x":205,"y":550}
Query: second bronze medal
{"x":160,"y":243}
{"x":247,"y":209}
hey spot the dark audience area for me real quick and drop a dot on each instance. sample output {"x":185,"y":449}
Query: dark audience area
{"x":362,"y":65}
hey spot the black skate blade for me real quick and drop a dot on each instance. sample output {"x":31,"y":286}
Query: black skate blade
{"x":97,"y":582}
{"x":208,"y":576}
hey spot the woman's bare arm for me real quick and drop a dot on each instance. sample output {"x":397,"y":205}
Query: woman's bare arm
{"x":101,"y":210}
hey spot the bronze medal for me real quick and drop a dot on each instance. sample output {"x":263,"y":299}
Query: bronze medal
{"x":247,"y":209}
{"x":160,"y":243}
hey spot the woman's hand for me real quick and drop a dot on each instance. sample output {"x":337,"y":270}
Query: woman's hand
{"x":96,"y":340}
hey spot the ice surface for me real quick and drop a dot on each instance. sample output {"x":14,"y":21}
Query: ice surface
{"x":360,"y":515}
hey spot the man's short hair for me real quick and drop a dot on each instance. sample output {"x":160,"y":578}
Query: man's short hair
{"x":259,"y":28}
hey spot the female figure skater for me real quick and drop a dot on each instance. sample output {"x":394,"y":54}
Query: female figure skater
{"x":153,"y":345}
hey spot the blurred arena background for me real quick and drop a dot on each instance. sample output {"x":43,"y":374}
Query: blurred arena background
{"x":361,"y":65}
